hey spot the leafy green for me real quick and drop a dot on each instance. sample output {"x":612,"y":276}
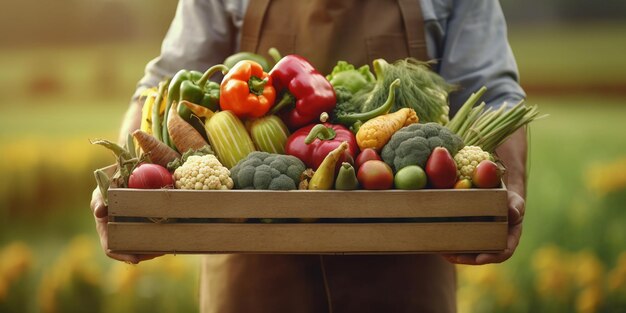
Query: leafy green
{"x":178,"y":162}
{"x":345,"y":75}
{"x":421,"y":89}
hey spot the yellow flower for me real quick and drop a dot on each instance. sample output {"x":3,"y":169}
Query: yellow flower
{"x":485,"y":283}
{"x":589,"y":300}
{"x":617,"y":277}
{"x":588,"y":270}
{"x":123,"y":277}
{"x":606,"y":178}
{"x":177,"y":266}
{"x":485,"y":275}
{"x":77,"y":263}
{"x":468,"y":297}
{"x":3,"y":289}
{"x":47,"y":290}
{"x":15,"y":260}
{"x":507,"y":294}
{"x":552,"y":277}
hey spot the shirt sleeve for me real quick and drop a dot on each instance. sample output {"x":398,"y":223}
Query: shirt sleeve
{"x":201,"y":34}
{"x":476,"y":53}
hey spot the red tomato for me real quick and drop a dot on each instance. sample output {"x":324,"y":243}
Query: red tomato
{"x":366,"y":155}
{"x":441,"y":169}
{"x":375,"y":174}
{"x":150,"y":176}
{"x":487,"y":175}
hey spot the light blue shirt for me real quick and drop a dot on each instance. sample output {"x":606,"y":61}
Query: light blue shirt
{"x":467,"y":38}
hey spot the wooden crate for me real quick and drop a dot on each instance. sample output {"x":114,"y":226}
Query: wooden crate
{"x":337,"y":222}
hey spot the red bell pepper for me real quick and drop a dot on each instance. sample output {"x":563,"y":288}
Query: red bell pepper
{"x":312,"y":143}
{"x":301,"y":83}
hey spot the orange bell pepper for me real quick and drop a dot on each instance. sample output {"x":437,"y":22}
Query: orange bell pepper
{"x":247,"y":90}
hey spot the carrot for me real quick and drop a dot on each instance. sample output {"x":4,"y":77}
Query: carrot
{"x":158,"y":152}
{"x":183,"y":135}
{"x":375,"y":133}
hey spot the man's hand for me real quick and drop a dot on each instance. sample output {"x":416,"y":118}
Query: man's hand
{"x":131,"y":121}
{"x":100,"y":213}
{"x":512,"y":153}
{"x":516,"y":216}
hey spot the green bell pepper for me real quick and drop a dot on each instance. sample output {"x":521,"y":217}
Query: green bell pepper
{"x":204,"y":93}
{"x":194,"y":87}
{"x":233,"y":59}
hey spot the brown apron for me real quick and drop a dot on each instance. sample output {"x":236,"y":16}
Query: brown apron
{"x":325,"y":31}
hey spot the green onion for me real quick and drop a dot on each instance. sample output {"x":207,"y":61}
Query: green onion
{"x":488,"y":128}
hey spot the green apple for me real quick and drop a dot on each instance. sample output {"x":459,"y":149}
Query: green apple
{"x":410,"y":177}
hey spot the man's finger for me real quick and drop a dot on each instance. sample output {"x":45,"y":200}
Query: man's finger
{"x":512,"y":242}
{"x":461,"y":258}
{"x":97,"y":205}
{"x":517,"y":208}
{"x":127,"y":258}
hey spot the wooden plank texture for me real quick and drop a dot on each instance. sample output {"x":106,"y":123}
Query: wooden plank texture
{"x":307,"y":238}
{"x":306,"y":204}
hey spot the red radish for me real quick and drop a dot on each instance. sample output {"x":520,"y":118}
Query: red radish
{"x":366,"y":155}
{"x":441,"y":169}
{"x":375,"y":174}
{"x":150,"y":176}
{"x":487,"y":175}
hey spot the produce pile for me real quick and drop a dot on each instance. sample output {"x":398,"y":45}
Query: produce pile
{"x":286,"y":126}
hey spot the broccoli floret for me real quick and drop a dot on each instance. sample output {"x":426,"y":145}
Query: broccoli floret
{"x":412,"y":145}
{"x":267,"y":171}
{"x":344,"y":104}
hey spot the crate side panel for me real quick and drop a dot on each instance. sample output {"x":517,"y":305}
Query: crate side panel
{"x":307,"y":238}
{"x":306,"y":204}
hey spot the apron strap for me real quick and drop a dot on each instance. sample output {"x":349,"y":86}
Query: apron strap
{"x":251,"y":29}
{"x":414,"y":28}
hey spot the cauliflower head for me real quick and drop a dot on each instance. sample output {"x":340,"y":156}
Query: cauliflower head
{"x":412,"y":145}
{"x":203,"y":173}
{"x":467,"y":159}
{"x":268,"y":171}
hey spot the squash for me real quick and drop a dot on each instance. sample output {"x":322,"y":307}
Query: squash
{"x":228,"y":137}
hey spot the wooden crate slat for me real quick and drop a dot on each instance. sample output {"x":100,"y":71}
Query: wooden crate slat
{"x":306,"y":204}
{"x":307,"y":238}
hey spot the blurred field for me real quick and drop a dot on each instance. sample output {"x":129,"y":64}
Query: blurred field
{"x":570,"y":53}
{"x":53,"y":100}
